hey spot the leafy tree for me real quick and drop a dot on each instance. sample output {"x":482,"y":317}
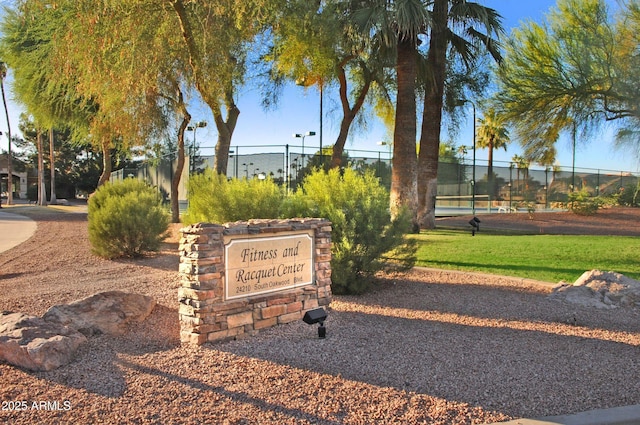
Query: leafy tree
{"x":456,"y":26}
{"x":217,"y":36}
{"x":326,"y":49}
{"x":112,"y":51}
{"x":158,"y":83}
{"x":27,"y":44}
{"x":575,"y":71}
{"x":128,"y":59}
{"x":492,"y":134}
{"x":77,"y":165}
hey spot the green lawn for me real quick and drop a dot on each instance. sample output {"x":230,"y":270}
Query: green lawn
{"x":549,"y":258}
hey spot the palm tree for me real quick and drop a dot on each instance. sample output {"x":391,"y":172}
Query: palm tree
{"x":454,"y":23}
{"x":492,"y":134}
{"x":522,"y":164}
{"x":397,"y":25}
{"x":3,"y":75}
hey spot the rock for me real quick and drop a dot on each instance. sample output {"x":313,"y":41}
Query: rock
{"x":600,"y":289}
{"x":35,"y":344}
{"x":46,"y":343}
{"x":106,"y":312}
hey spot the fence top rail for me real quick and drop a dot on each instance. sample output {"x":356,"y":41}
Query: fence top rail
{"x":385,"y":154}
{"x":476,"y":196}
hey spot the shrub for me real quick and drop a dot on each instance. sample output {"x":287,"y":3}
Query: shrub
{"x":214,"y":199}
{"x":365,"y":239}
{"x":126,"y":219}
{"x":582,"y":203}
{"x":629,"y":196}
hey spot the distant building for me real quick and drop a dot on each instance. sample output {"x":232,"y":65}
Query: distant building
{"x":19,"y":180}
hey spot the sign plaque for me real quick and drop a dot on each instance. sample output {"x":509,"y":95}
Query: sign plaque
{"x":258,"y":264}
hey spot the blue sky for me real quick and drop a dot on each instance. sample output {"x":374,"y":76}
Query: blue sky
{"x":298,"y":112}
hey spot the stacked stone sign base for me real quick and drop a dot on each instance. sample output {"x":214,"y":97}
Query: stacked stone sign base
{"x":241,"y":277}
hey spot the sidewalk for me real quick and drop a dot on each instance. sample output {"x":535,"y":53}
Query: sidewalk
{"x":14,"y":229}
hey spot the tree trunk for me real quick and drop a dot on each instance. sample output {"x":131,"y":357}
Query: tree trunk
{"x":52,"y":160}
{"x":338,"y":147}
{"x":225,"y":132}
{"x":432,"y":117}
{"x":42,"y":193}
{"x":490,"y":176}
{"x":404,"y":190}
{"x":106,"y":163}
{"x":175,"y":182}
{"x":9,"y":155}
{"x":348,"y":113}
{"x":225,"y":128}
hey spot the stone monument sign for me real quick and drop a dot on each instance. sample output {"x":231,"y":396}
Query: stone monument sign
{"x":241,"y":277}
{"x":258,"y":265}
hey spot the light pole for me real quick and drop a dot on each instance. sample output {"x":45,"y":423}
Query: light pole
{"x":308,"y":133}
{"x":235,"y":153}
{"x":473,"y":168}
{"x":235,"y":158}
{"x":307,"y":82}
{"x":246,"y":169}
{"x":573,"y":164}
{"x":383,"y":143}
{"x":194,"y":128}
{"x":295,"y":167}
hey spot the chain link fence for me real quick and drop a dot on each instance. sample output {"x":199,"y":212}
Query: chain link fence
{"x":507,"y":186}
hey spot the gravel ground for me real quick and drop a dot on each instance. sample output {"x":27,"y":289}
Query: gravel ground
{"x":428,"y":346}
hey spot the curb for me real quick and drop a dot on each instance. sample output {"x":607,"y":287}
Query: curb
{"x":625,"y":415}
{"x":14,"y":229}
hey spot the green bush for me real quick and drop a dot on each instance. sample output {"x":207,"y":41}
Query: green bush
{"x":126,"y":219}
{"x":582,"y":203}
{"x":629,"y":196}
{"x":365,"y":239}
{"x":214,"y":199}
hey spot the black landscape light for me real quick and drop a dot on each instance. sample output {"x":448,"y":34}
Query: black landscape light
{"x":316,"y":316}
{"x":475,"y":225}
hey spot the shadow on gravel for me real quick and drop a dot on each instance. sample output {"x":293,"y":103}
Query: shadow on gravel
{"x":447,"y":342}
{"x":9,"y":275}
{"x":162,"y":260}
{"x":98,"y":365}
{"x":236,"y":396}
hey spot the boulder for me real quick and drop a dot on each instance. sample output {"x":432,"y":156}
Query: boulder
{"x":35,"y":344}
{"x":103,"y":313}
{"x":48,"y":342}
{"x":600,"y":289}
